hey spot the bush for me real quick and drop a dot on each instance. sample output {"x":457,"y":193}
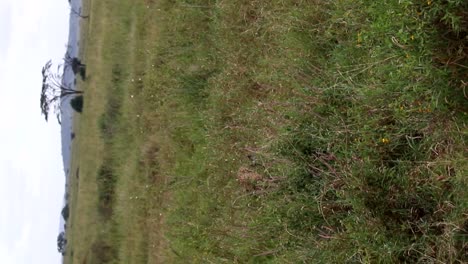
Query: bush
{"x":61,"y":243}
{"x":65,"y":212}
{"x":83,"y":73}
{"x":77,"y":103}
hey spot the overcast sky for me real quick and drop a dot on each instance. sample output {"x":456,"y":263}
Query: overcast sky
{"x":31,"y":171}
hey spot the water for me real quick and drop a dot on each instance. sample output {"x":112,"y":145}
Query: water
{"x":69,"y":80}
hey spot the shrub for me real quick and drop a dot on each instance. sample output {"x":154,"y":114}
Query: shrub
{"x":61,"y":243}
{"x":65,"y":212}
{"x":77,"y":103}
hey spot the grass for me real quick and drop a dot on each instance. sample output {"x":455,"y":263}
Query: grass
{"x":271,"y":131}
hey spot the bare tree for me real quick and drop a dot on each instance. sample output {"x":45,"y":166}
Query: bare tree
{"x":54,"y":91}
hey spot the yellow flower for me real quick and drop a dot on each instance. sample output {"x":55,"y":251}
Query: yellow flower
{"x":412,"y":37}
{"x":385,"y":140}
{"x":429,"y":2}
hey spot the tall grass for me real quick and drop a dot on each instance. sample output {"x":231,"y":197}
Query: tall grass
{"x":282,"y":132}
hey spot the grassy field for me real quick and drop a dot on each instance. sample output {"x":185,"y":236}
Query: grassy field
{"x":271,"y":131}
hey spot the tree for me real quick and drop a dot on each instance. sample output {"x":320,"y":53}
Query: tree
{"x":53,"y":91}
{"x":61,"y":243}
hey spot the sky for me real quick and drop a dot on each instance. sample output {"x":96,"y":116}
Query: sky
{"x":32,"y":181}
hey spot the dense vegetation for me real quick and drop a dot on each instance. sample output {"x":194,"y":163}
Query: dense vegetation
{"x":272,"y":131}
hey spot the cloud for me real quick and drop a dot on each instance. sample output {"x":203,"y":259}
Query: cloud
{"x":5,"y":25}
{"x":14,"y":232}
{"x":5,"y":255}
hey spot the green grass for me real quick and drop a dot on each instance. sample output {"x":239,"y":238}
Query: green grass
{"x":271,"y":131}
